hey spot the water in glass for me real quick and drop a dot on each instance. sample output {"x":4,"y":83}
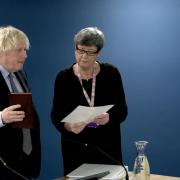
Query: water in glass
{"x":141,"y":165}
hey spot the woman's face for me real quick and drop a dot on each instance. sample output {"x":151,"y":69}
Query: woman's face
{"x":86,"y":56}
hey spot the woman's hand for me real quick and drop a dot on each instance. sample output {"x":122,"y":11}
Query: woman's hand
{"x":9,"y":114}
{"x":75,"y":127}
{"x":102,"y":119}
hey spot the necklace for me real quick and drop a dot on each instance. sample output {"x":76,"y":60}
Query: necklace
{"x":86,"y":76}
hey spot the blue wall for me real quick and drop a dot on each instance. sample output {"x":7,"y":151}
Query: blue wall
{"x":142,"y":40}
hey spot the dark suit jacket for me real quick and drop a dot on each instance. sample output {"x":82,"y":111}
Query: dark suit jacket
{"x":11,"y":139}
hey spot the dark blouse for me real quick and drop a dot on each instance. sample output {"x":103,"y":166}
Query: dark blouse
{"x":68,"y":95}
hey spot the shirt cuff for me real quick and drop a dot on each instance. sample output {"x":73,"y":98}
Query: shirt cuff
{"x":1,"y":122}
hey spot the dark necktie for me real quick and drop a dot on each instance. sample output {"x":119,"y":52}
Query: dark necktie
{"x":27,"y":146}
{"x":13,"y":86}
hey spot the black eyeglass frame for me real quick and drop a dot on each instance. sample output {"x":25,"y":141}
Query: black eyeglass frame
{"x":89,"y":53}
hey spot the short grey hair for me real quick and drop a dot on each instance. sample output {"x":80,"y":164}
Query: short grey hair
{"x":10,"y":37}
{"x":90,"y":36}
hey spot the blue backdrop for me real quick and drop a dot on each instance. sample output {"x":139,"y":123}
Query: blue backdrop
{"x":142,"y":40}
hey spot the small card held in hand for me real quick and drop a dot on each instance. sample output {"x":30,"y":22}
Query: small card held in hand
{"x":25,"y":99}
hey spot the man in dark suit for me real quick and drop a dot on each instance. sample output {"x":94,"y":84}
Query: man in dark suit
{"x":13,"y":46}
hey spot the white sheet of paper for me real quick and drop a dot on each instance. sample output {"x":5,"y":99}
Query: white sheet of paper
{"x":116,"y":171}
{"x":85,"y":113}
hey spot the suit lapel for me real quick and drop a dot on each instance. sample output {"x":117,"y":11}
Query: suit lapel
{"x":4,"y":86}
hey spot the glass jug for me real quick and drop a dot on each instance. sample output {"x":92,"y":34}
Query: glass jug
{"x":141,"y":165}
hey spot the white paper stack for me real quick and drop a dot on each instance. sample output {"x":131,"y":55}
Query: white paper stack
{"x":85,"y":170}
{"x":85,"y":113}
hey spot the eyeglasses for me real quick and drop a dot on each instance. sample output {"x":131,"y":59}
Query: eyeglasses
{"x":89,"y":53}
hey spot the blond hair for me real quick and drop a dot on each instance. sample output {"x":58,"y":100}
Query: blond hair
{"x":10,"y":37}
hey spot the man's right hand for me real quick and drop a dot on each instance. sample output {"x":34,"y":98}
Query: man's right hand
{"x":9,"y":114}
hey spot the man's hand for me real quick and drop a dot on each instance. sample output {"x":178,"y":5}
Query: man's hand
{"x":9,"y":114}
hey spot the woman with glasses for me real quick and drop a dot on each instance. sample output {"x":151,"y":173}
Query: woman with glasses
{"x":89,"y":82}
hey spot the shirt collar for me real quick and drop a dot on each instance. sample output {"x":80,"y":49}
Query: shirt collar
{"x":4,"y":71}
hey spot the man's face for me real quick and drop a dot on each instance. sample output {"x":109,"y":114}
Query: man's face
{"x":13,"y":60}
